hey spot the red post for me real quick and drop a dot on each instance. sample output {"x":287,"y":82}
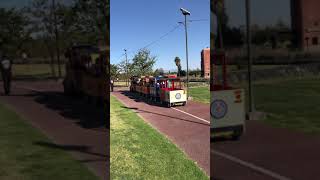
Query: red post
{"x":224,"y":69}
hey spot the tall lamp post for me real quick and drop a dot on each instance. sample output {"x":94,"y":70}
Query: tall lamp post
{"x":186,"y":13}
{"x":125,"y":51}
{"x":248,"y":24}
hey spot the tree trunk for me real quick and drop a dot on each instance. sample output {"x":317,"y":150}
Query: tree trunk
{"x":56,"y":32}
{"x":53,"y":71}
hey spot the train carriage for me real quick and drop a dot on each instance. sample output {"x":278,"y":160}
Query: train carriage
{"x":155,"y":88}
{"x":139,"y":86}
{"x":145,"y":89}
{"x":134,"y":83}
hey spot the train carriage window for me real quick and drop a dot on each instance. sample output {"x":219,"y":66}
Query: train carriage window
{"x":169,"y":84}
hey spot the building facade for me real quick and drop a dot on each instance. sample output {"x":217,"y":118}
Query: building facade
{"x":205,"y":63}
{"x":306,"y":24}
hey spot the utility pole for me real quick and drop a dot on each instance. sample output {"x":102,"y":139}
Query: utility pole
{"x":125,"y":51}
{"x":248,"y":27}
{"x":185,"y":13}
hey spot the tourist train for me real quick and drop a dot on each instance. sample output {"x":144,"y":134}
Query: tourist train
{"x":168,"y":90}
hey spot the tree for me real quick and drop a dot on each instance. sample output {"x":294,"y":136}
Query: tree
{"x":114,"y":71}
{"x":195,"y":72}
{"x":177,"y":61}
{"x":126,"y":69}
{"x":143,"y":62}
{"x":93,"y":19}
{"x":158,"y":72}
{"x":183,"y":73}
{"x":226,"y":36}
{"x":14,"y":30}
{"x":49,"y":18}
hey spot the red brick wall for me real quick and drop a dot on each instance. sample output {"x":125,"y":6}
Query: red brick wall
{"x":205,"y":62}
{"x":306,"y":21}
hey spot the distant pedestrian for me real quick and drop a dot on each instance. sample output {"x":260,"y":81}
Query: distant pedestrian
{"x":24,"y":57}
{"x":111,"y":85}
{"x":6,"y":73}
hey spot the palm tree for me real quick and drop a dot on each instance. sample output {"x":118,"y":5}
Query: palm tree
{"x":178,"y":64}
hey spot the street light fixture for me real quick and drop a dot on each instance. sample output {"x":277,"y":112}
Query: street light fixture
{"x":186,"y":13}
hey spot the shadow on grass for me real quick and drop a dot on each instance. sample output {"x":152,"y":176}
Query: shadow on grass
{"x":74,"y":148}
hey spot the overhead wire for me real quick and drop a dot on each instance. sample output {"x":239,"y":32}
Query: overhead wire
{"x":153,"y":42}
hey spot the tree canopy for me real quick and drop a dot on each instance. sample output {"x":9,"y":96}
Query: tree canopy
{"x":143,"y":62}
{"x":14,"y":30}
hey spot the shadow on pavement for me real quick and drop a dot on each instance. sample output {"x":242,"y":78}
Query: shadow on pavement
{"x":217,"y":140}
{"x":138,"y":98}
{"x":177,"y":118}
{"x":87,"y":115}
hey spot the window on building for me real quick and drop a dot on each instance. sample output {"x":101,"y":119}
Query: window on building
{"x":315,"y":41}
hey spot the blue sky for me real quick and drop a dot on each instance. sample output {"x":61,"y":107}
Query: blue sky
{"x":135,"y":24}
{"x":22,"y":3}
{"x":264,"y":12}
{"x":13,"y":3}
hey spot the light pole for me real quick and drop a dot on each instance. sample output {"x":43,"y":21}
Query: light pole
{"x":248,"y":24}
{"x":125,"y":51}
{"x":186,"y":13}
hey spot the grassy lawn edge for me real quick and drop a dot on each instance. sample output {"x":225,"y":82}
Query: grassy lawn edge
{"x":154,"y":157}
{"x":27,"y":153}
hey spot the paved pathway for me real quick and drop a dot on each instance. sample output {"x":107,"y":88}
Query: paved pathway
{"x":265,"y":152}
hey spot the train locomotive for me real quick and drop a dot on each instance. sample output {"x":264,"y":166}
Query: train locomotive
{"x":86,"y":72}
{"x":227,"y":107}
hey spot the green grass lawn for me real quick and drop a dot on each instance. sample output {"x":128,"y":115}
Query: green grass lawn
{"x":120,"y":83}
{"x":23,"y":158}
{"x":291,"y":103}
{"x":200,"y":94}
{"x":35,"y":70}
{"x":234,"y":68}
{"x":137,"y":151}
